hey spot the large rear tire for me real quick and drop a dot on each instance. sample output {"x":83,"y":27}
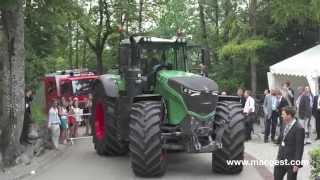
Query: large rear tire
{"x":232,"y":140}
{"x":148,"y":159}
{"x":105,"y":130}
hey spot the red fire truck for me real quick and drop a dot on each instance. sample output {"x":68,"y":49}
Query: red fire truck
{"x":68,"y":83}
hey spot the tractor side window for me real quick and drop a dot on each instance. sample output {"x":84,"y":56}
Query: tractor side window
{"x":194,"y":57}
{"x":180,"y":59}
{"x":169,"y":57}
{"x":149,"y":58}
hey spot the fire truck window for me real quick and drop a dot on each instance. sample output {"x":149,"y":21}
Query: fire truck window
{"x":52,"y":89}
{"x":81,"y":87}
{"x":66,"y":89}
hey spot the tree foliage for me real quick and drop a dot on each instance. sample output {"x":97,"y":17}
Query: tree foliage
{"x":243,"y":36}
{"x":74,"y":34}
{"x":245,"y":49}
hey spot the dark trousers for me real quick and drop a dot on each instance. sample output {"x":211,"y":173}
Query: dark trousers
{"x":267,"y":128}
{"x":25,"y":128}
{"x":281,"y":171}
{"x":281,"y":130}
{"x":249,"y":124}
{"x":317,"y":118}
{"x":274,"y":122}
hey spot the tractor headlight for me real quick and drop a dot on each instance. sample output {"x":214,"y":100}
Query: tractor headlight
{"x":190,"y":92}
{"x":215,"y":93}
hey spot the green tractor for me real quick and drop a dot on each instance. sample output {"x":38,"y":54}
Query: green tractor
{"x":156,"y":105}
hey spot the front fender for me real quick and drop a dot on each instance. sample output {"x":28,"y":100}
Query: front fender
{"x":109,"y":85}
{"x":228,"y":98}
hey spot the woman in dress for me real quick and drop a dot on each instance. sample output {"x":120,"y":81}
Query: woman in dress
{"x":86,"y":117}
{"x":64,"y":120}
{"x":77,"y":114}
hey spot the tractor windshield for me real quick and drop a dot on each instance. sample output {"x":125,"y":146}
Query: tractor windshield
{"x":173,"y":56}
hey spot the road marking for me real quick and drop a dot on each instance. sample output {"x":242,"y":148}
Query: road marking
{"x":78,"y":138}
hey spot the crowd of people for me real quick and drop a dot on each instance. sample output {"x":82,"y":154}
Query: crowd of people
{"x":65,"y":117}
{"x":291,"y":115}
{"x":306,"y":105}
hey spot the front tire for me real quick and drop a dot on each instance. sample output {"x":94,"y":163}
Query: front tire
{"x":148,"y":159}
{"x":233,"y":138}
{"x":104,"y":125}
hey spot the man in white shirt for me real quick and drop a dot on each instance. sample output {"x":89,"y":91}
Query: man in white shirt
{"x":248,"y":110}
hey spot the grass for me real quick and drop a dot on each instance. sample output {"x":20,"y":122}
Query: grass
{"x":315,"y":162}
{"x":39,"y":116}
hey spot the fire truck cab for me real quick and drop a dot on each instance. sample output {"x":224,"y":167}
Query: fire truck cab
{"x":68,"y":83}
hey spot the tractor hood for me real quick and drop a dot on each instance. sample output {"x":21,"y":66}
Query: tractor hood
{"x":191,"y":81}
{"x":188,"y":94}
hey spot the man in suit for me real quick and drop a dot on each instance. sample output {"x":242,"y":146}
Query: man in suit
{"x":274,"y":114}
{"x":267,"y":108}
{"x":290,"y":92}
{"x":27,"y":118}
{"x":305,"y":112}
{"x":291,"y":147}
{"x":316,"y":114}
{"x":282,"y":103}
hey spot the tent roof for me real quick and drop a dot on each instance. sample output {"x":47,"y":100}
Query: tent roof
{"x":306,"y":63}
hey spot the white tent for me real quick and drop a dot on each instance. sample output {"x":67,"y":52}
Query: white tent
{"x":301,"y":70}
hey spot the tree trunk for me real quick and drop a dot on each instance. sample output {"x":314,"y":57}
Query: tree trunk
{"x":253,"y":70}
{"x":140,"y":15}
{"x":127,"y":23}
{"x":77,"y":47}
{"x":104,"y":29}
{"x":28,"y":11}
{"x":12,"y":57}
{"x":84,"y":56}
{"x":217,"y":44}
{"x":99,"y":61}
{"x":217,"y":18}
{"x":227,"y":7}
{"x":203,"y":23}
{"x":70,"y":45}
{"x":253,"y":27}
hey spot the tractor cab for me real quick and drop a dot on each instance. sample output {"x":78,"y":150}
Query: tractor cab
{"x":144,"y":57}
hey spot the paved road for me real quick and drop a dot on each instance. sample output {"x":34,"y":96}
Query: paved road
{"x":80,"y":162}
